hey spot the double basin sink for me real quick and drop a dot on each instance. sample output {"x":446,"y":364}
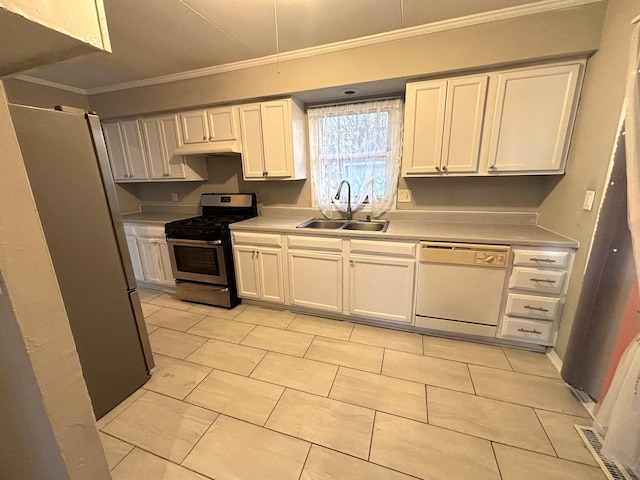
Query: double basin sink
{"x":359,"y":225}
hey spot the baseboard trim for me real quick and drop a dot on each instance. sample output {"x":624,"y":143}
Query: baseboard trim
{"x":585,"y":399}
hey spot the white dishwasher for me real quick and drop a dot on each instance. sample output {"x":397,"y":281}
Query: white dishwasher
{"x":460,"y":287}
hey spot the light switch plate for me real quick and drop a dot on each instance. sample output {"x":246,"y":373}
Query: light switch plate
{"x":404,"y":196}
{"x":175,"y":197}
{"x":589,"y":196}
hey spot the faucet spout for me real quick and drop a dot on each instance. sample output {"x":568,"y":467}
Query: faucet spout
{"x":337,"y":197}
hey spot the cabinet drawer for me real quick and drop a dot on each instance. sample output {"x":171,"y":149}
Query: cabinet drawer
{"x":315,"y":243}
{"x":394,"y":249}
{"x":545,"y":281}
{"x":150,"y":230}
{"x":533,"y":331}
{"x":546,"y":308}
{"x":540,"y":258}
{"x":129,"y":229}
{"x":250,"y":238}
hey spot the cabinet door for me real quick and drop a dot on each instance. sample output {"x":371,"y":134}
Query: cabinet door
{"x":277,"y":138}
{"x":533,"y":115}
{"x":194,"y":127}
{"x":222,"y":124}
{"x":315,"y":280}
{"x":381,"y":288}
{"x":464,"y":114}
{"x":134,"y":253}
{"x":162,"y":250}
{"x":134,"y":149}
{"x":156,"y":264}
{"x":252,"y":141}
{"x":154,"y":148}
{"x":246,"y":277}
{"x":150,"y":258}
{"x":115,"y":147}
{"x":423,"y":127}
{"x":270,"y":274}
{"x":174,"y":166}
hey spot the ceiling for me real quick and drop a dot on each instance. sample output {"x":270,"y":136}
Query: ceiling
{"x":154,"y":38}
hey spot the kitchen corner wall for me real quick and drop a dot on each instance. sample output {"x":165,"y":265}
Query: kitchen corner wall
{"x":591,"y":150}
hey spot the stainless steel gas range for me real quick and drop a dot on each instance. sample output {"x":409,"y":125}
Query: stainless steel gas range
{"x":200,"y":249}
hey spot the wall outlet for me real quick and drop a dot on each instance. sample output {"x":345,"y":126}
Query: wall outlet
{"x":404,"y":196}
{"x":589,"y":196}
{"x":175,"y":197}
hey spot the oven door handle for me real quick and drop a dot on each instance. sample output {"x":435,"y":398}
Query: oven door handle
{"x":194,"y":242}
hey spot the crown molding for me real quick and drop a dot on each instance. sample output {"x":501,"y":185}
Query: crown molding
{"x":379,"y":38}
{"x":47,"y":83}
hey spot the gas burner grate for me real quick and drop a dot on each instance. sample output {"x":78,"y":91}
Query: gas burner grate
{"x":593,"y":441}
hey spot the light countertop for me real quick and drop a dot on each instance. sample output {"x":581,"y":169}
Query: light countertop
{"x":500,"y":234}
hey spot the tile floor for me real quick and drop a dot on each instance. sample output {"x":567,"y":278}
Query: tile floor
{"x":253,"y":393}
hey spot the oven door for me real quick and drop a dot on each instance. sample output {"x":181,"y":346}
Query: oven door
{"x":198,"y":260}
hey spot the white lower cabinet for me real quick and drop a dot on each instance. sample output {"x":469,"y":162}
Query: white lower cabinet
{"x":149,"y":254}
{"x":259,"y":266}
{"x":535,"y":295}
{"x":381,"y":288}
{"x":134,"y":253}
{"x":315,"y":272}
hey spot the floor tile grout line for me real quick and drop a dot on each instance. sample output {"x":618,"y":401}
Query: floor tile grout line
{"x":426,"y":402}
{"x":306,"y":459}
{"x":575,"y":462}
{"x":495,"y":457}
{"x":195,"y":444}
{"x":546,"y":433}
{"x":373,"y":428}
{"x":133,"y":447}
{"x":473,"y":385}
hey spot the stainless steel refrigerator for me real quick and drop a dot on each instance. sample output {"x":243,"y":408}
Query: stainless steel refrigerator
{"x":67,"y":165}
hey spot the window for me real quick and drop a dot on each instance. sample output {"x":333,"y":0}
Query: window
{"x":360,"y":143}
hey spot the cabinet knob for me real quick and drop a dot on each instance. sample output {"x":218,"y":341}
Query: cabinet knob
{"x":211,"y":138}
{"x":352,"y":263}
{"x":204,"y":139}
{"x":444,"y":168}
{"x":437,"y":169}
{"x":492,"y":167}
{"x":265,"y":173}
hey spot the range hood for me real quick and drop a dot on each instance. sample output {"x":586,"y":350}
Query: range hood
{"x":210,"y":148}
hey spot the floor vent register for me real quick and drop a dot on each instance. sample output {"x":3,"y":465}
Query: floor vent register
{"x":593,"y":441}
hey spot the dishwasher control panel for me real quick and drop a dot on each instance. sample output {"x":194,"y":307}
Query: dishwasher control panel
{"x":479,"y":255}
{"x":491,"y":258}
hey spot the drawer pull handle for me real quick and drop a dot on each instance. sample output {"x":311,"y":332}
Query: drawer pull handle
{"x":524,"y":330}
{"x":539,"y":309}
{"x":546,"y":260}
{"x":542,"y":280}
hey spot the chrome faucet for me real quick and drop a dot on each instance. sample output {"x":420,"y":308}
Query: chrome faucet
{"x":349,"y":213}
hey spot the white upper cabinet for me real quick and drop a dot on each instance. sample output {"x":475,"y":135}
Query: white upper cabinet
{"x":443,"y":126}
{"x":126,"y":151}
{"x":533,"y":117}
{"x":144,"y":150}
{"x":273,"y":140}
{"x":511,"y":122}
{"x":211,"y":125}
{"x":161,"y":139}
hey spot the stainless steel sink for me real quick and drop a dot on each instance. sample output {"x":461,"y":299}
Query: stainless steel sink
{"x":358,"y":225}
{"x":372,"y":226}
{"x":322,"y":223}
